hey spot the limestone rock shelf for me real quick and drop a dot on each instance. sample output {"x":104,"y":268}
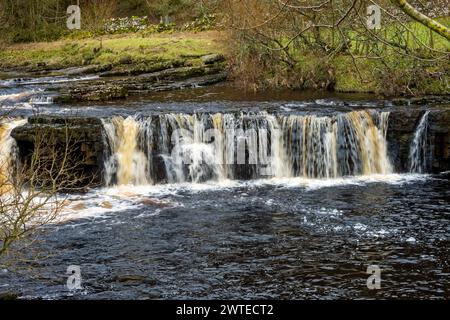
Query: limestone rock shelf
{"x":88,"y":135}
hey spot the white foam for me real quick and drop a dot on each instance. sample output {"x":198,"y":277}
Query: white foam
{"x":127,"y":197}
{"x":411,"y":240}
{"x":47,"y":80}
{"x":100,"y":202}
{"x":16,"y":97}
{"x":313,"y":184}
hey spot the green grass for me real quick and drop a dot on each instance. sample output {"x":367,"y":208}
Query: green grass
{"x":112,"y":50}
{"x":349,"y":79}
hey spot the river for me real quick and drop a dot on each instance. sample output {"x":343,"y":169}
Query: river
{"x":332,"y":206}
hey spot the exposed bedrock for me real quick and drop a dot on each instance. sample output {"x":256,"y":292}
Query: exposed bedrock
{"x":83,"y":136}
{"x":402,"y":126}
{"x":89,"y":136}
{"x":141,"y":80}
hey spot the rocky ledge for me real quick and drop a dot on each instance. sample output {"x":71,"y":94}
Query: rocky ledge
{"x":134,"y":79}
{"x":402,"y":125}
{"x":82,"y":136}
{"x":87,"y":134}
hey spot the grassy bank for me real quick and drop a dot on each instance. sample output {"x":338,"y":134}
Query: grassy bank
{"x":124,"y":54}
{"x":126,"y":49}
{"x":394,"y":76}
{"x":418,"y":66}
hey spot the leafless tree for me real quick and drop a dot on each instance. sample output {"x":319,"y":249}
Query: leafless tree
{"x":32,"y":192}
{"x":95,"y":13}
{"x":286,"y":31}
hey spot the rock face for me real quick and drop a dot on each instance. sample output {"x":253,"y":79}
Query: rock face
{"x":403,"y":123}
{"x":88,"y":136}
{"x":440,"y":133}
{"x":82,"y":135}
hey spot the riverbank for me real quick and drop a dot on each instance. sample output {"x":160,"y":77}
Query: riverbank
{"x":412,"y":63}
{"x":120,"y":66}
{"x":121,"y":54}
{"x":130,"y":64}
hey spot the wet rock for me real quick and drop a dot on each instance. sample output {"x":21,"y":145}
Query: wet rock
{"x":106,"y":205}
{"x":86,"y":141}
{"x":143,"y":67}
{"x":74,"y":71}
{"x":154,"y":202}
{"x":182,"y":73}
{"x":102,"y":92}
{"x":402,"y":126}
{"x":439,"y":127}
{"x":124,"y":80}
{"x":189,"y":83}
{"x":419,"y":101}
{"x":165,"y":80}
{"x":79,"y":207}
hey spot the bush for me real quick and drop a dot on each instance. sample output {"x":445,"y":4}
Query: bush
{"x":203,"y":23}
{"x":126,"y":25}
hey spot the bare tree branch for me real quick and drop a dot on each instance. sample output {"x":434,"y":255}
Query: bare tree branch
{"x":423,"y":19}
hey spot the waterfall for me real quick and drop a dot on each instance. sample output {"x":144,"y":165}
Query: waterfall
{"x":418,"y":150}
{"x":126,"y":163}
{"x":7,"y":151}
{"x":201,"y":147}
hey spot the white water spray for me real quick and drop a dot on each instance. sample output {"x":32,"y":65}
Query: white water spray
{"x":201,"y":147}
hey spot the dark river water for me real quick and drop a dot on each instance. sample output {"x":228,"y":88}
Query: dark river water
{"x":281,"y":239}
{"x":253,"y":240}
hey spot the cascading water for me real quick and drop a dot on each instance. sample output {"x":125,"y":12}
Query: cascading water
{"x":126,"y":164}
{"x":7,"y":153}
{"x":201,"y":147}
{"x":191,"y":146}
{"x":418,"y":154}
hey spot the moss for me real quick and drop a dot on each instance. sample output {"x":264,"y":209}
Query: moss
{"x":351,"y":78}
{"x":144,"y":67}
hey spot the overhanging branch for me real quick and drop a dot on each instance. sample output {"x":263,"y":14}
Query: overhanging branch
{"x":423,"y":19}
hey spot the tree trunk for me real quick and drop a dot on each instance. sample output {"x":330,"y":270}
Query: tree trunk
{"x":423,"y":19}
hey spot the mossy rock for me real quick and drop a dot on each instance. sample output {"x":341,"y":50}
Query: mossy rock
{"x":212,"y":58}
